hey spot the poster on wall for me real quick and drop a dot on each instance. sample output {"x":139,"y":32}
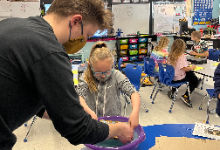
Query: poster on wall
{"x":169,"y":14}
{"x":202,"y":12}
{"x":163,"y":13}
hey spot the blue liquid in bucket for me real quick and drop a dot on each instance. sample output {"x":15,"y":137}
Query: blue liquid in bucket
{"x":115,"y":143}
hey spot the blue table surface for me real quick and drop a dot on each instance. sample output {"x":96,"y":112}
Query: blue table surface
{"x":169,"y":130}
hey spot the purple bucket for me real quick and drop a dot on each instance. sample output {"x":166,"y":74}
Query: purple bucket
{"x":130,"y":146}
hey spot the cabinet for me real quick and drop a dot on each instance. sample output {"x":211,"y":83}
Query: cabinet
{"x":134,"y":48}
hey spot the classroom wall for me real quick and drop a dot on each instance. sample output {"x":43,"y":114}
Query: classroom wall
{"x":215,"y":13}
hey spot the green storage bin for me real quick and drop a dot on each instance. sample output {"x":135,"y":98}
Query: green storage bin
{"x":143,"y":45}
{"x":133,"y":52}
{"x":124,"y":41}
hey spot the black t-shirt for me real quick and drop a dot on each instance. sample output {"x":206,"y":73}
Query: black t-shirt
{"x":35,"y":72}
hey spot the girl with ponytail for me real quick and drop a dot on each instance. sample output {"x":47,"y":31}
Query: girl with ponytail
{"x":100,"y":87}
{"x":159,"y":54}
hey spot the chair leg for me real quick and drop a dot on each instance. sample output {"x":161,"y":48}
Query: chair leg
{"x":153,"y":90}
{"x":145,"y":108}
{"x":156,"y":93}
{"x":202,"y":82}
{"x":26,"y":123}
{"x":26,"y":137}
{"x":174,"y":99}
{"x":200,"y":107}
{"x":208,"y":104}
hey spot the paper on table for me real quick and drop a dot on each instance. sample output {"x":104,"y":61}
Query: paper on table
{"x":183,"y":143}
{"x":206,"y":130}
{"x":215,"y":64}
{"x":198,"y":68}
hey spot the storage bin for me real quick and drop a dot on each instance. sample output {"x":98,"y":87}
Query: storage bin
{"x":124,"y":41}
{"x":124,"y":47}
{"x":141,"y":57}
{"x":125,"y":58}
{"x":133,"y":46}
{"x":142,"y":51}
{"x":143,"y":45}
{"x":133,"y":52}
{"x":142,"y":40}
{"x":133,"y":41}
{"x":123,"y":52}
{"x":133,"y":57}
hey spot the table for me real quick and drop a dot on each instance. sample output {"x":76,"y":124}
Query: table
{"x":169,"y":130}
{"x":209,"y":68}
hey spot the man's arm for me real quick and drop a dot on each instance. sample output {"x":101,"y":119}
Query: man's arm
{"x":54,"y":84}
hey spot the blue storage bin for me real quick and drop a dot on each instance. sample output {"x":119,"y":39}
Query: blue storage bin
{"x":133,"y":57}
{"x":142,"y":40}
{"x":133,"y":46}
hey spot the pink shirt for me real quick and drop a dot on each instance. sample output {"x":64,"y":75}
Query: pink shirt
{"x":181,"y":63}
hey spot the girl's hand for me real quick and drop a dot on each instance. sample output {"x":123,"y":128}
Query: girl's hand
{"x":93,"y":115}
{"x":193,"y":67}
{"x":134,"y":120}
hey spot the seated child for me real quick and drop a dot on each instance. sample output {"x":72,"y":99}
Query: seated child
{"x":217,"y":88}
{"x":183,"y":72}
{"x":200,"y":48}
{"x":159,"y":53}
{"x":101,"y":85}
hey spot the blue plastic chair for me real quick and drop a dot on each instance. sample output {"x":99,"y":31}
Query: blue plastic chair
{"x":119,"y":65}
{"x":149,"y":66}
{"x":166,"y":75}
{"x":214,"y":54}
{"x":211,"y":94}
{"x":133,"y":73}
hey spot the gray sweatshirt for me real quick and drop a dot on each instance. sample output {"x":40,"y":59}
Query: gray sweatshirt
{"x":106,"y":102}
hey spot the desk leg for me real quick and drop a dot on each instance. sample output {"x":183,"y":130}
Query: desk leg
{"x":207,"y":120}
{"x":202,"y":82}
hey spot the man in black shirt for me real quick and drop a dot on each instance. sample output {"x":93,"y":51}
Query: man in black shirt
{"x":35,"y":72}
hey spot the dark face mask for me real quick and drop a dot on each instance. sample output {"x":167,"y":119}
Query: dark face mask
{"x":74,"y":45}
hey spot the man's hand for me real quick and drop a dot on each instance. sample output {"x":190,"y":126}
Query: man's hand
{"x":126,"y":135}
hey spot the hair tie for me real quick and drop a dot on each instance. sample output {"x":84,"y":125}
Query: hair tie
{"x":100,"y":46}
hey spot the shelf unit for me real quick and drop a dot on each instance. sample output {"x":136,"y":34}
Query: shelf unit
{"x":134,"y":48}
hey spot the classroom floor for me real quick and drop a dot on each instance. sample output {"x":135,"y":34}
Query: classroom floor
{"x":43,"y":136}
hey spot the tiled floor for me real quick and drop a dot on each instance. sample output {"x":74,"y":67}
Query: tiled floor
{"x":43,"y":136}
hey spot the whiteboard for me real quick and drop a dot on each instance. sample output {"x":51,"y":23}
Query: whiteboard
{"x":131,"y":18}
{"x":25,"y":9}
{"x":5,"y":9}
